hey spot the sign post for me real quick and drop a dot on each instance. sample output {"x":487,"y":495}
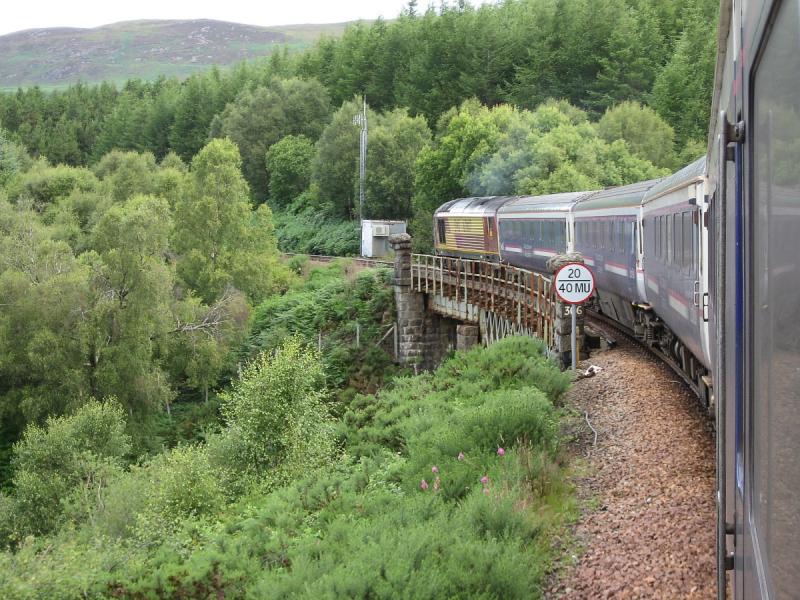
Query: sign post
{"x":574,"y":285}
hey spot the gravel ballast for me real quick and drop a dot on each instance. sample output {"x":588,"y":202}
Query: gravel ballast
{"x":648,"y":512}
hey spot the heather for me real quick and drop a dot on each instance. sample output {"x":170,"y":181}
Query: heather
{"x":446,"y":484}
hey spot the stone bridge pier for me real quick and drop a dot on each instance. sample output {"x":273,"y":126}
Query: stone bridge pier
{"x":425,"y":337}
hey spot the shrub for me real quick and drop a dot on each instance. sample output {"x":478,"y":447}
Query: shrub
{"x":52,"y":463}
{"x":276,"y":415}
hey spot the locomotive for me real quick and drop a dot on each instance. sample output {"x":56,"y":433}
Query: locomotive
{"x":703,"y":267}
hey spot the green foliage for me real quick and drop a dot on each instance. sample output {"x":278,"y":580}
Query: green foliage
{"x":43,"y":339}
{"x":313,"y":232}
{"x":125,"y":174}
{"x":395,"y":141}
{"x":12,"y":157}
{"x":647,"y":135}
{"x":682,"y":90}
{"x":221,"y":241}
{"x":361,"y":526}
{"x":289,"y":168}
{"x":67,"y":461}
{"x":260,"y":117}
{"x":335,"y":168}
{"x":43,"y":185}
{"x":132,"y":288}
{"x":276,"y":415}
{"x":329,"y":305}
{"x":181,"y":484}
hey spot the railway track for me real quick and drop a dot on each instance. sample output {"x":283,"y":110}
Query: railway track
{"x":360,"y":261}
{"x":597,"y":317}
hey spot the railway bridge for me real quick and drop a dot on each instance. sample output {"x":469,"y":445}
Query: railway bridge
{"x":445,"y":303}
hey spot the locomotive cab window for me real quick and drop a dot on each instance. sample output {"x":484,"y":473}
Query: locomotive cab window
{"x":440,"y":224}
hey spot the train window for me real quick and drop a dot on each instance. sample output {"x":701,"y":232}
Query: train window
{"x":657,"y":233}
{"x":656,"y":237}
{"x":677,"y":242}
{"x":668,"y":251}
{"x":490,"y":226}
{"x":442,"y":231}
{"x":664,"y":242}
{"x":688,"y":247}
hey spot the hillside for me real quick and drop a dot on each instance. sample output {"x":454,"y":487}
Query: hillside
{"x":145,"y":49}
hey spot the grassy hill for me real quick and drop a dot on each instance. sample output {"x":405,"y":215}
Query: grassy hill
{"x":57,"y":57}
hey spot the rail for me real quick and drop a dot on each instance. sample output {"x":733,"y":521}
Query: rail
{"x":358,"y":260}
{"x":519,"y":296}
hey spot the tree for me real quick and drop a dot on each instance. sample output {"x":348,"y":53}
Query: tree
{"x":289,"y":168}
{"x":12,"y":157}
{"x":220,"y":241}
{"x":647,"y":134}
{"x":395,"y":141}
{"x":682,"y":90}
{"x":45,"y":297}
{"x":261,"y":117}
{"x":43,"y":185}
{"x":125,"y":174}
{"x":466,"y":137}
{"x":69,"y":461}
{"x":335,"y":168}
{"x":276,"y":418}
{"x":132,"y":290}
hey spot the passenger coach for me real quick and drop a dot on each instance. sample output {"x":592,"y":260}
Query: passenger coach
{"x":608,"y":235}
{"x":533,"y":229}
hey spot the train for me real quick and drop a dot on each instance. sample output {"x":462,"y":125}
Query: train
{"x":644,"y":242}
{"x":704,"y":267}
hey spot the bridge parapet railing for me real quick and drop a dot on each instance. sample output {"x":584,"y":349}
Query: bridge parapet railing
{"x":519,"y":296}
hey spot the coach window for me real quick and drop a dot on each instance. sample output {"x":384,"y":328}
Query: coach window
{"x":659,"y":250}
{"x":442,"y":235}
{"x":688,"y":247}
{"x":668,"y":239}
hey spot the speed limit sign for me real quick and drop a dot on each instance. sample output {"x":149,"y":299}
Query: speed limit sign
{"x":574,"y":283}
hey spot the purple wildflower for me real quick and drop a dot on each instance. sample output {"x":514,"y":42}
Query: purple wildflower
{"x":501,"y":452}
{"x":485,"y":480}
{"x":434,"y":469}
{"x":423,"y":485}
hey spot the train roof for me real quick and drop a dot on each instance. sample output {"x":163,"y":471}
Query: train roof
{"x":479,"y":206}
{"x":624,"y":196}
{"x":546,"y":203}
{"x":689,"y":173}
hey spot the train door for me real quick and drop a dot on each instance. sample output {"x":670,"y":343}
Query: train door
{"x":771,"y":238}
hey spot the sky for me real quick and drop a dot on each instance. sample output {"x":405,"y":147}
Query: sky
{"x":92,"y":13}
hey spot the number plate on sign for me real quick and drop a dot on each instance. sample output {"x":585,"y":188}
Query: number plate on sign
{"x":574,"y":283}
